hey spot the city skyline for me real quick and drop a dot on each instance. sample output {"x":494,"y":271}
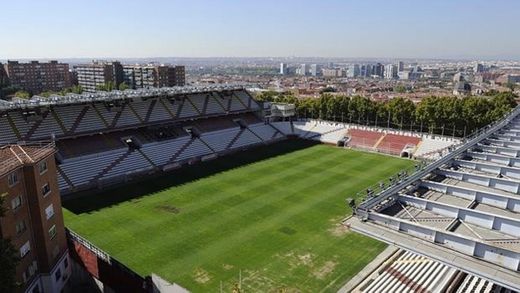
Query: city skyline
{"x":357,"y":29}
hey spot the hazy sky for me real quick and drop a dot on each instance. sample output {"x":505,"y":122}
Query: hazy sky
{"x":210,"y":28}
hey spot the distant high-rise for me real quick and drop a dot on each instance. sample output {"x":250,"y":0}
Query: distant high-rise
{"x":283,"y":69}
{"x":36,"y":77}
{"x":303,"y":70}
{"x":400,"y":66}
{"x":353,"y":71}
{"x":390,"y":71}
{"x":315,"y":70}
{"x":458,"y":77}
{"x":478,"y":68}
{"x":378,"y":70}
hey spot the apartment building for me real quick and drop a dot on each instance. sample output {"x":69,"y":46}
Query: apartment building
{"x":98,"y":73}
{"x":91,"y":76}
{"x":33,"y":220}
{"x":147,"y":76}
{"x":36,"y":77}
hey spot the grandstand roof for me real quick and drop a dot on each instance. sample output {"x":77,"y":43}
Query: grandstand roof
{"x":462,"y":210}
{"x":14,"y":156}
{"x":38,"y":101}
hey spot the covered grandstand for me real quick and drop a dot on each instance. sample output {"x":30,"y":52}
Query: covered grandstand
{"x":461,"y":210}
{"x":109,"y":138}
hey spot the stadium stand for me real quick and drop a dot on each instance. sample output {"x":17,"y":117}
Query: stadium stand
{"x":394,"y":144}
{"x":405,"y":271}
{"x":364,"y":139}
{"x":106,"y":138}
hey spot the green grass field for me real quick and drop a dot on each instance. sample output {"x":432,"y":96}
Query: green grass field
{"x":271,"y":213}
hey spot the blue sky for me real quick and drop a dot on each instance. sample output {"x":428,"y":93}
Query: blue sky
{"x":211,"y":28}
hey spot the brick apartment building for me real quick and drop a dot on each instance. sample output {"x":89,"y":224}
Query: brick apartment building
{"x":35,"y":77}
{"x":33,"y":220}
{"x":91,"y":76}
{"x":146,"y":76}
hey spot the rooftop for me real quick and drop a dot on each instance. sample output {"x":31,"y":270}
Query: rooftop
{"x":38,"y":101}
{"x":14,"y":156}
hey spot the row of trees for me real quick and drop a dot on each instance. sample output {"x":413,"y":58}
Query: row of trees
{"x":110,"y":86}
{"x":441,"y":115}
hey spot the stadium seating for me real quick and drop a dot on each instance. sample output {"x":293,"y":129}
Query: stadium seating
{"x":363,"y":138}
{"x":412,"y":273}
{"x":265,"y":131}
{"x":134,"y":162}
{"x":246,"y":138}
{"x":162,"y":152}
{"x":6,"y":132}
{"x":90,"y":121}
{"x":431,"y":145}
{"x":83,"y":170}
{"x":395,"y":143}
{"x":65,"y":120}
{"x":219,"y":140}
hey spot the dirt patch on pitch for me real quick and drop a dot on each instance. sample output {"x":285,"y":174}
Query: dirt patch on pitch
{"x":201,"y":276}
{"x":169,"y":209}
{"x":325,"y":269}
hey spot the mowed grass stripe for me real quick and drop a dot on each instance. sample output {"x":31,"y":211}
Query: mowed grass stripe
{"x":258,"y":218}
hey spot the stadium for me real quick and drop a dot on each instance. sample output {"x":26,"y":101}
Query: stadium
{"x":208,"y":189}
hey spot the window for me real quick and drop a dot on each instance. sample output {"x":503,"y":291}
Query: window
{"x":24,"y":250}
{"x":46,"y":189}
{"x":20,"y":227}
{"x":52,"y":232}
{"x":16,"y":202}
{"x":49,"y":211}
{"x":43,"y":167}
{"x":12,"y":179}
{"x":57,"y":275}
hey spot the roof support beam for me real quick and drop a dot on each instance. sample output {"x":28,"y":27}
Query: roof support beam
{"x":499,"y":150}
{"x":489,"y":168}
{"x":498,"y":183}
{"x":502,"y":224}
{"x":501,"y":143}
{"x":507,"y":137}
{"x":467,"y":245}
{"x":510,"y":203}
{"x":494,"y":158}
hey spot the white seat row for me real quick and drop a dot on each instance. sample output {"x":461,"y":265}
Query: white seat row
{"x":410,"y":273}
{"x":90,"y":121}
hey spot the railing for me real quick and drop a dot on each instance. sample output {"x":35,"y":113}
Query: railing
{"x":381,"y":193}
{"x":88,"y":245}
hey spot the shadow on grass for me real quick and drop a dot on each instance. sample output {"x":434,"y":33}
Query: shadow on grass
{"x":89,"y":201}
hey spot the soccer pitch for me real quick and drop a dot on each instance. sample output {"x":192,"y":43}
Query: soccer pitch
{"x":270,"y":213}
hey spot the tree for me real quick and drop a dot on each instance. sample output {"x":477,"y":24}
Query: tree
{"x":511,"y":86}
{"x":22,"y":95}
{"x":8,"y":259}
{"x":400,"y":89}
{"x":107,"y":87}
{"x":123,"y":86}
